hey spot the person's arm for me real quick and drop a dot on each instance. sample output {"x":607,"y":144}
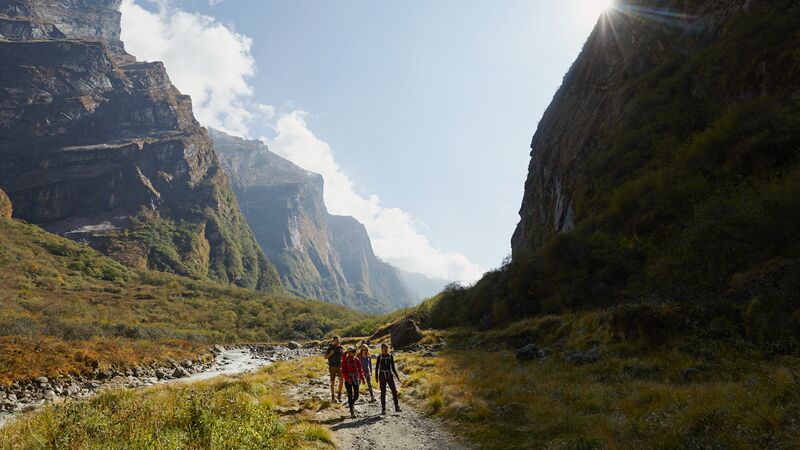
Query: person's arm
{"x":394,"y":369}
{"x":377,"y":367}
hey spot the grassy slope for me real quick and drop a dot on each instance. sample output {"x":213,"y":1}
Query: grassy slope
{"x":684,"y":392}
{"x":222,"y":414}
{"x":66,"y":308}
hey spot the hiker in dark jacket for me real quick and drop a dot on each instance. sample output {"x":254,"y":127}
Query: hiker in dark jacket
{"x":353,"y":373}
{"x":334,"y":357}
{"x":385,"y":373}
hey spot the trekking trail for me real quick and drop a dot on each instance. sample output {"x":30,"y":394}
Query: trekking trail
{"x":408,"y":429}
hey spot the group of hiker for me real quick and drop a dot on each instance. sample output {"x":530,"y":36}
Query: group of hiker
{"x":354,"y":367}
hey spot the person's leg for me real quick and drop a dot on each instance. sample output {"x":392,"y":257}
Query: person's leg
{"x":356,"y":391}
{"x":341,"y":384}
{"x":349,"y":388}
{"x":382,"y":379}
{"x":333,"y":382}
{"x":369,"y":385}
{"x":393,"y":387}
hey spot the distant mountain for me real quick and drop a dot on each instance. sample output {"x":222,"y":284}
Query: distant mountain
{"x":423,"y":286}
{"x":103,"y":149}
{"x":317,"y":255}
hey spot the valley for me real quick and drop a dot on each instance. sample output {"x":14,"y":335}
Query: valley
{"x":165,"y":284}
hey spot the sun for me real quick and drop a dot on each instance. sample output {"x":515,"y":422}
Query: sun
{"x":591,"y":9}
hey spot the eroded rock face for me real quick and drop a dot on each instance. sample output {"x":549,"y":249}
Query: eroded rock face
{"x":5,"y":206}
{"x":317,"y":255}
{"x":105,"y":150}
{"x":590,"y":105}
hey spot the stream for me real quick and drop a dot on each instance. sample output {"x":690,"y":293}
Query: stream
{"x":229,"y":362}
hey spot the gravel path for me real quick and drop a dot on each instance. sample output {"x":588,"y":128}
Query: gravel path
{"x":370,"y":429}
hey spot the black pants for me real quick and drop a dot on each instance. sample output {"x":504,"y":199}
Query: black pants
{"x":387,"y":378}
{"x":352,"y":392}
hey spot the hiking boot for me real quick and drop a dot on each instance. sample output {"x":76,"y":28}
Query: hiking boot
{"x":383,"y":410}
{"x":352,"y":413}
{"x":397,"y":408}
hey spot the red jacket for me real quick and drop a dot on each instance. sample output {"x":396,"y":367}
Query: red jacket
{"x":351,"y":368}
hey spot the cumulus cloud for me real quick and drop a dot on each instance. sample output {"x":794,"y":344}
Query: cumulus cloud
{"x":393,"y":232}
{"x":204,"y":58}
{"x":214,"y":65}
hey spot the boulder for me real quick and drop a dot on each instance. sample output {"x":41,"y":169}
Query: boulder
{"x":180,"y":372}
{"x":405,"y":333}
{"x":530,"y":352}
{"x":5,"y":206}
{"x":293,"y":345}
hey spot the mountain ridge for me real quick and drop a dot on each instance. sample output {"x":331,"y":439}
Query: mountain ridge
{"x":105,"y":150}
{"x":317,"y":254}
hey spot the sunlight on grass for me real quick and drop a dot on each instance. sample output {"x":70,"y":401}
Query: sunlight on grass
{"x":223,"y":413}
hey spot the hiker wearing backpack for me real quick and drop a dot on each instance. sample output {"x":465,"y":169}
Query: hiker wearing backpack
{"x":353,"y":373}
{"x":385,"y":374}
{"x":334,"y":356}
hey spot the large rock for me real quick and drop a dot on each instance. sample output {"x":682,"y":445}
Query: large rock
{"x":405,"y":333}
{"x":105,"y":150}
{"x":5,"y":206}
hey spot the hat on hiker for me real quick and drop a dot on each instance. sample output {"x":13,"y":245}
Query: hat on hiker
{"x":351,"y":350}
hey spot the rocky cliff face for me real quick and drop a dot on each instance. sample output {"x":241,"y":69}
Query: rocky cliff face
{"x":105,"y":150}
{"x":668,"y":164}
{"x":5,"y":206}
{"x":317,"y":255}
{"x":629,"y":52}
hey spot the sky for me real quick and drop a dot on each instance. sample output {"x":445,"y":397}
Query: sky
{"x":418,"y":113}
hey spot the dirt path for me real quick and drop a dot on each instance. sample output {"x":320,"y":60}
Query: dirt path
{"x":408,"y":429}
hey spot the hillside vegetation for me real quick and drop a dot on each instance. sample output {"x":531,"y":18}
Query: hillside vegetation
{"x":693,"y":198}
{"x":595,"y":385}
{"x":66,"y":308}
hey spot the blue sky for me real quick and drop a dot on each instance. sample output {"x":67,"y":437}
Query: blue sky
{"x":427,"y":107}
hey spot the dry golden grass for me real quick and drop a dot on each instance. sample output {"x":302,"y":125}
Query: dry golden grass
{"x":58,"y":297}
{"x":224,"y":413}
{"x":27,"y":358}
{"x":628,"y":400}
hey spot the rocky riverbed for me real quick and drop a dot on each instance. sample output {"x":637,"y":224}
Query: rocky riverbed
{"x":28,"y":395}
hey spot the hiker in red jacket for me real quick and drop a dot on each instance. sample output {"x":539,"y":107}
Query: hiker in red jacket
{"x":352,"y":373}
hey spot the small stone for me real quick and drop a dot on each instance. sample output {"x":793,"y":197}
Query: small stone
{"x":530,"y":352}
{"x":41,"y":380}
{"x":293,"y":345}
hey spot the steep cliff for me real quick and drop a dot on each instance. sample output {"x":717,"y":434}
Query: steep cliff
{"x":105,"y":150}
{"x":317,"y":255}
{"x":667,"y":168}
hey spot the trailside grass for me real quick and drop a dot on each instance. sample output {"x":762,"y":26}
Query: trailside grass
{"x":686,"y":393}
{"x":223,"y":413}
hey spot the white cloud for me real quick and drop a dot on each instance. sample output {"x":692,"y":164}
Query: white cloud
{"x":204,"y":58}
{"x":213,"y":64}
{"x":393,"y":232}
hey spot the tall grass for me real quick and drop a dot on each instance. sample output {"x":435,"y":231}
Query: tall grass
{"x":219,"y":414}
{"x":683,"y":393}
